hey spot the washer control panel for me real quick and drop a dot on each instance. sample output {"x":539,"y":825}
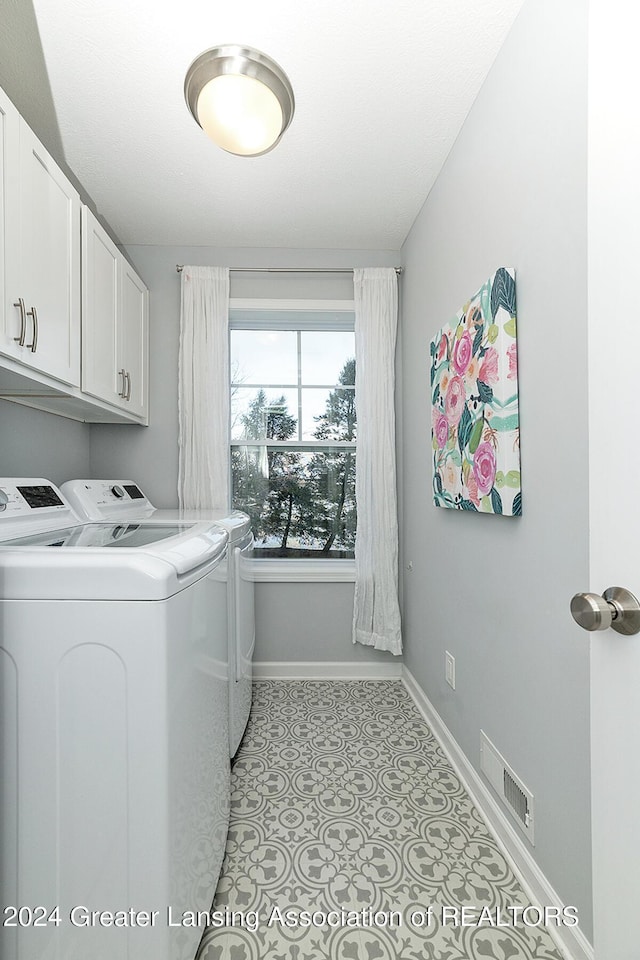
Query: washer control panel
{"x":20,"y":497}
{"x":30,"y":504}
{"x":93,"y":499}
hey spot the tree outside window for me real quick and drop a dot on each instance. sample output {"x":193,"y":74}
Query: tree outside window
{"x":292,"y":462}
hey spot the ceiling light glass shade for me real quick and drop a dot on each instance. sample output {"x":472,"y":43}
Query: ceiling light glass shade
{"x":241,"y":98}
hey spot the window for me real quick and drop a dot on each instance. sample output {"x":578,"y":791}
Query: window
{"x":293,"y":427}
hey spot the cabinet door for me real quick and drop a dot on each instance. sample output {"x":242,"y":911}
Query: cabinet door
{"x":10,"y":315}
{"x":133,"y":335}
{"x":101,"y":375}
{"x":49,"y":262}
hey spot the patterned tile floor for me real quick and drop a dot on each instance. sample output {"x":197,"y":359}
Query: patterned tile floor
{"x":344,"y":804}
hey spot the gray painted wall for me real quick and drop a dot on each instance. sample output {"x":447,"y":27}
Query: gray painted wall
{"x":495,"y":591}
{"x":35,"y":444}
{"x":150,"y":454}
{"x":309,"y":622}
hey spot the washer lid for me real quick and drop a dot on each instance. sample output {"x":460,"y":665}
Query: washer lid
{"x":108,"y":561}
{"x":121,"y":535}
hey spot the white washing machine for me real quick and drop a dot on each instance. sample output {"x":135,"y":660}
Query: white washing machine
{"x":122,"y":500}
{"x":114,"y":796}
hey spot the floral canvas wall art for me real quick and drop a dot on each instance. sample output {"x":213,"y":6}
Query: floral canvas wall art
{"x":474,"y":396}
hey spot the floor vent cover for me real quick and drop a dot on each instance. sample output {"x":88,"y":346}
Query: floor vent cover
{"x":509,"y":787}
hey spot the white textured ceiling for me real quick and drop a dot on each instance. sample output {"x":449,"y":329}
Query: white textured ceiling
{"x":382,"y":88}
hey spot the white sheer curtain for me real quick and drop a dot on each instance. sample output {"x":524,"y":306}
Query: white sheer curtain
{"x":203,"y":389}
{"x":376,"y":614}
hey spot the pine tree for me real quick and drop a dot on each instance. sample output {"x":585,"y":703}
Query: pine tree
{"x":266,"y":482}
{"x":289,"y":493}
{"x":334,"y":471}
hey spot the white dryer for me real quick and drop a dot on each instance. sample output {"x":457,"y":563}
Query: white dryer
{"x":124,"y":500}
{"x":114,"y":796}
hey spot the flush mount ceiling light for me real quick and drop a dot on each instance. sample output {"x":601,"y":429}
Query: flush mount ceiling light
{"x":240,"y":97}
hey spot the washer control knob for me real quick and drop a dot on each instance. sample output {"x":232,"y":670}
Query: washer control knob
{"x":117,"y":491}
{"x":4,"y":500}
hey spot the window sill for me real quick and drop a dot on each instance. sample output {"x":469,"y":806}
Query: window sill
{"x":303,"y":571}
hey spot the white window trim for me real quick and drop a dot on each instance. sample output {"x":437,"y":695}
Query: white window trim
{"x":270,"y":570}
{"x":293,"y":307}
{"x":305,"y":306}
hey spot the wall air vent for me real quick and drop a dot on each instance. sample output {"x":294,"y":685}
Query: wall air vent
{"x":514,"y":794}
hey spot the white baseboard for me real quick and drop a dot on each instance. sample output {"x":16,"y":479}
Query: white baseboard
{"x":570,"y":940}
{"x":322,"y":670}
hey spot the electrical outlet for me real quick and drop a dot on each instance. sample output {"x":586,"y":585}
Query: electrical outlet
{"x":450,"y":669}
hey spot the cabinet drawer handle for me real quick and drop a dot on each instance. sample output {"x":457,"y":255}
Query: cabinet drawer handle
{"x":122,"y":393}
{"x":33,"y":346}
{"x":128,"y":397}
{"x":23,"y":322}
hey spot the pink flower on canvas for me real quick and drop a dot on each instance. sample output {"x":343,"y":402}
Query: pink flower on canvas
{"x":484,"y":468}
{"x":462,"y":353}
{"x":472,"y":490}
{"x":455,"y":400}
{"x":441,"y":430}
{"x":489,"y":367}
{"x":451,"y":479}
{"x":442,"y":347}
{"x":471,"y":375}
{"x":512,"y":354}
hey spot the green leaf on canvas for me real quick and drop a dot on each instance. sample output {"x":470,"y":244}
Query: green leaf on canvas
{"x":512,"y":479}
{"x":492,"y":332}
{"x":477,"y":341}
{"x":510,"y":327}
{"x":500,"y":479}
{"x":485,"y":300}
{"x":485,"y":391}
{"x":476,"y":435}
{"x":503,"y":292}
{"x":464,"y":428}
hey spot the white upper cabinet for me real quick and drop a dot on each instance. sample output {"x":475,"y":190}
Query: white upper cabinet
{"x":49,"y":261}
{"x":41,"y":227}
{"x":115,"y":312}
{"x":100,"y":311}
{"x":9,"y":225}
{"x":50,"y":288}
{"x":133,"y":340}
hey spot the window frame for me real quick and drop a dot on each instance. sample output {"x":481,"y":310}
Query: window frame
{"x":294,"y":570}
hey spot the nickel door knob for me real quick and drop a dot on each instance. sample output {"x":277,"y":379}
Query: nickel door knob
{"x":616,"y":608}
